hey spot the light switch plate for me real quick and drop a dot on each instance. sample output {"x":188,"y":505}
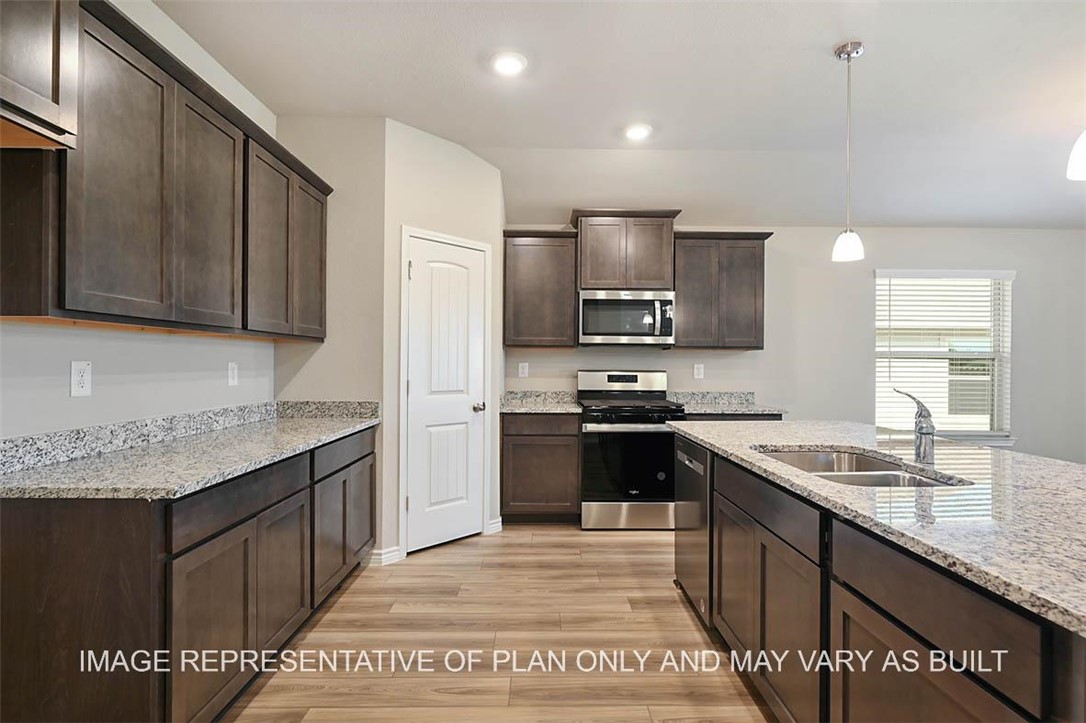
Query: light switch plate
{"x":522,"y":369}
{"x":699,"y":371}
{"x":81,"y":379}
{"x":231,"y":374}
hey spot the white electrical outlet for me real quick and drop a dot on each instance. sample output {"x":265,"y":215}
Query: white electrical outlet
{"x":81,"y":379}
{"x":699,"y":371}
{"x":522,"y":369}
{"x":231,"y":374}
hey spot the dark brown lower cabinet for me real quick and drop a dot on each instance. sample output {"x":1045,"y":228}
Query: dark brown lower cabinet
{"x":213,"y":608}
{"x":733,"y":575}
{"x":787,"y":617}
{"x":343,"y":525}
{"x":282,"y":559}
{"x":541,"y":474}
{"x":919,"y":695}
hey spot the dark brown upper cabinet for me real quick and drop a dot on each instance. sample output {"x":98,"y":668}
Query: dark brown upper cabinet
{"x":119,"y":220}
{"x":719,"y":290}
{"x":268,"y":279}
{"x":285,"y":268}
{"x":309,"y":209}
{"x":208,"y":230}
{"x":39,"y":71}
{"x":541,"y":289}
{"x":145,"y":222}
{"x":626,"y":249}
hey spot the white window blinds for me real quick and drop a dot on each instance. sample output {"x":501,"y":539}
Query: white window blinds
{"x":944,"y":336}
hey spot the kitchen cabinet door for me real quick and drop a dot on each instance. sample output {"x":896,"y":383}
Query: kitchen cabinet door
{"x":733,"y":573}
{"x":119,"y":238}
{"x":361,"y":488}
{"x":268,"y":266}
{"x":208,"y":229}
{"x":787,"y":615}
{"x":541,"y":474}
{"x":650,"y":253}
{"x":920,"y":695}
{"x":39,"y":64}
{"x":540,"y":291}
{"x":213,"y":607}
{"x":330,"y":563}
{"x":603,"y":253}
{"x":307,"y":231}
{"x":697,"y":295}
{"x":282,"y":553}
{"x":742,"y":294}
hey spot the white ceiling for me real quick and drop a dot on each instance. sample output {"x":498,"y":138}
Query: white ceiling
{"x":964,"y":112}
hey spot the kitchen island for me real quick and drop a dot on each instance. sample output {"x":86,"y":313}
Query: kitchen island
{"x":994,"y":558}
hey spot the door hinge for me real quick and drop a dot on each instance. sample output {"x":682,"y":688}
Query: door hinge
{"x":410,"y":265}
{"x":406,"y":504}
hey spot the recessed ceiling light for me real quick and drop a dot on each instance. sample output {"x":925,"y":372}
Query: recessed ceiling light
{"x":509,"y":64}
{"x":638,"y":131}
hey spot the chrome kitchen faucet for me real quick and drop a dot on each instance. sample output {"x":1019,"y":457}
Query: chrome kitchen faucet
{"x":925,"y":432}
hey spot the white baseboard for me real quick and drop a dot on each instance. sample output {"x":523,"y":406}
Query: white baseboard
{"x":493,"y":526}
{"x":387,"y":555}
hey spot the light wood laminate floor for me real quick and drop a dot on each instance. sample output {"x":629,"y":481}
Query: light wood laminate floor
{"x":530,"y":587}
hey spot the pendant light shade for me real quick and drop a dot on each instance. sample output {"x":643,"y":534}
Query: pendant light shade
{"x":1076,"y":164}
{"x":848,"y":246}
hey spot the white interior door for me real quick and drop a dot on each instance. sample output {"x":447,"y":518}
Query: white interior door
{"x":445,"y":424}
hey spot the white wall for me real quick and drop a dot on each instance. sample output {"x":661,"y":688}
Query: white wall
{"x":435,"y":185}
{"x":819,"y":357}
{"x":135,"y":375}
{"x":160,"y":26}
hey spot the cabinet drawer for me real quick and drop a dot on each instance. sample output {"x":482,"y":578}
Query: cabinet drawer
{"x":943,"y":611}
{"x":205,"y":513}
{"x":342,"y":452}
{"x":541,"y":424}
{"x":792,"y":520}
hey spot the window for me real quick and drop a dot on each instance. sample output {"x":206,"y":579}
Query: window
{"x":944,"y":336}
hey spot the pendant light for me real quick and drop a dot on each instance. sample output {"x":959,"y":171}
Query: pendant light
{"x":848,"y":246}
{"x":1076,"y":164}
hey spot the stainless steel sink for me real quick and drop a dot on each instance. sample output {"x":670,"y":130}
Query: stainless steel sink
{"x":834,"y":462}
{"x":881,"y":479}
{"x":860,"y":470}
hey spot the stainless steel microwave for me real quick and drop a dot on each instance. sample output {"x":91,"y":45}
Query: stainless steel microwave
{"x":627,"y":317}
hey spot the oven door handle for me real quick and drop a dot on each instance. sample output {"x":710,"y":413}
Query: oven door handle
{"x":659,"y":319}
{"x":605,"y":428}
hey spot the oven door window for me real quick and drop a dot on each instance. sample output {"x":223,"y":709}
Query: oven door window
{"x":618,"y":317}
{"x":628,"y":467}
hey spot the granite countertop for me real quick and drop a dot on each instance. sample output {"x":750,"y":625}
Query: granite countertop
{"x":1018,"y":531}
{"x":174,"y":468}
{"x":540,"y":403}
{"x":725,"y":408}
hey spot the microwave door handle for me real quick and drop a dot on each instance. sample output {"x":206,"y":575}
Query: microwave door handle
{"x":658,"y":318}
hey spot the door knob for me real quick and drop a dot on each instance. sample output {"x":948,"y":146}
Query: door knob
{"x":478,"y":407}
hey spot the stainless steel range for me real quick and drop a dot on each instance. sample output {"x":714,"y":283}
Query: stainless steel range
{"x":628,"y":465}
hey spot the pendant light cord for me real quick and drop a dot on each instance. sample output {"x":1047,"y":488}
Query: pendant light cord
{"x":848,"y":149}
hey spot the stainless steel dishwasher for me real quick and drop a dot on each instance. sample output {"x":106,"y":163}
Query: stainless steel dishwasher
{"x":692,"y":532}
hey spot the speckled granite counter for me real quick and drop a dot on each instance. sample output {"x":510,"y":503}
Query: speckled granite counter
{"x":178,"y":467}
{"x":540,"y":403}
{"x":705,"y":402}
{"x":1018,"y":531}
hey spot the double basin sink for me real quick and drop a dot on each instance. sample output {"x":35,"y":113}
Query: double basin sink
{"x":852,"y":468}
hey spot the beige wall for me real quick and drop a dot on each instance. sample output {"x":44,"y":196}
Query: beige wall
{"x":819,"y":356}
{"x":134,"y":375}
{"x":435,"y":185}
